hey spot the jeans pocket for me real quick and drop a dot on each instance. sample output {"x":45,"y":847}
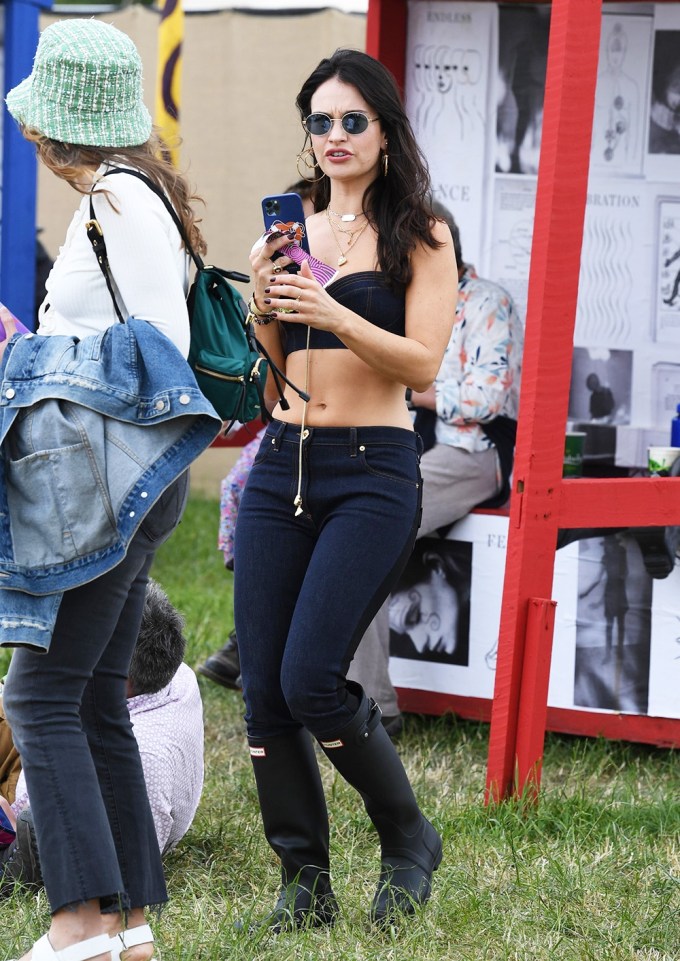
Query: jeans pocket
{"x":167,"y":512}
{"x":392,"y":462}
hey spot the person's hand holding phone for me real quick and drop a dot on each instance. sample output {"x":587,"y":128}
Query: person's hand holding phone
{"x":311,"y":303}
{"x":262,"y":261}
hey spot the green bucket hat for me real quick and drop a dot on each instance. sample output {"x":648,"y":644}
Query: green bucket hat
{"x":85,"y":87}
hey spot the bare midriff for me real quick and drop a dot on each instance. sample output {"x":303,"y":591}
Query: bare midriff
{"x":344,"y":392}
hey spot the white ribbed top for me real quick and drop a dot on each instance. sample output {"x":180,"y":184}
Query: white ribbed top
{"x":149,"y":267}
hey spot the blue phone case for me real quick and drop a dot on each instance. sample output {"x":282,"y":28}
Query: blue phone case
{"x":288,"y":209}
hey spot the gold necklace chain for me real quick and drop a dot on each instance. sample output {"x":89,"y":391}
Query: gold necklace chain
{"x":342,"y":259}
{"x":348,"y":218}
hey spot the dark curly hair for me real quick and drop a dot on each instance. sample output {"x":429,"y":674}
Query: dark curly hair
{"x":161,"y":643}
{"x":397,"y":205}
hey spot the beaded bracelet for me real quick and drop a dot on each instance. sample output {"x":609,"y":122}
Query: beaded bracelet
{"x":257,"y":316}
{"x":260,"y":319}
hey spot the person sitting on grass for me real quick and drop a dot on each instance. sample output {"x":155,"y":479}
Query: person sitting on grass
{"x":167,"y":717}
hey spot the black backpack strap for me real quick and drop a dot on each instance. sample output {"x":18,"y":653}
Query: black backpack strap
{"x":168,"y":206}
{"x":197,"y":259}
{"x":95,"y":235}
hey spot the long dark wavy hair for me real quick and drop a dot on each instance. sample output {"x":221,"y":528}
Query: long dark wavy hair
{"x":397,"y":205}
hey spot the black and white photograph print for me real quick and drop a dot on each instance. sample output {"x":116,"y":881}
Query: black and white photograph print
{"x":601,"y":385}
{"x":429,"y":610}
{"x":664,"y":111}
{"x":522,"y":63}
{"x":613,"y":626}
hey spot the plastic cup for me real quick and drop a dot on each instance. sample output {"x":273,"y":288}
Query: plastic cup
{"x":572,"y":464}
{"x":661,"y":459}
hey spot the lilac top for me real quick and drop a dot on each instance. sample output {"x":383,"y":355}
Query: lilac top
{"x":168,"y":726}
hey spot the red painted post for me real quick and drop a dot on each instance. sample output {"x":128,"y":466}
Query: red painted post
{"x":386,"y":35}
{"x":532,"y":710}
{"x":553,"y":286}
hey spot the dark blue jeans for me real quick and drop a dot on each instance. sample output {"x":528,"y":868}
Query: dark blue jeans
{"x":308,"y":586}
{"x":69,"y":718}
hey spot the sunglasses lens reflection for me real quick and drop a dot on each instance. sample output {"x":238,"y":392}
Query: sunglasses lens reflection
{"x":355,"y":122}
{"x":319,"y":124}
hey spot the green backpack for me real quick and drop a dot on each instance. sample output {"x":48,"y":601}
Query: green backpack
{"x":224,"y":353}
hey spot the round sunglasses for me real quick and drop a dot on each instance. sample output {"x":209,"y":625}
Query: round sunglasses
{"x":319,"y":124}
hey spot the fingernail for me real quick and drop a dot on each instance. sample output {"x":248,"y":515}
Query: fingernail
{"x":267,"y":289}
{"x":275,"y":235}
{"x":267,"y":300}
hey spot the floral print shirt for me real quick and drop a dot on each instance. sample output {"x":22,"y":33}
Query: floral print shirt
{"x":480,"y":373}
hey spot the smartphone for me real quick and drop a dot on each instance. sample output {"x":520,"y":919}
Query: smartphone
{"x":287,"y":211}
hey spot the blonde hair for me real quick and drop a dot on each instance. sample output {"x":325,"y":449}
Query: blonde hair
{"x":73,"y":163}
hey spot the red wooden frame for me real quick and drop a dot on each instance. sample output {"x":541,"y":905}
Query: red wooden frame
{"x":541,"y":500}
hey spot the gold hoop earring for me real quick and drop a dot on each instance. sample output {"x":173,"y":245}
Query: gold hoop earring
{"x":303,"y":158}
{"x":385,"y":163}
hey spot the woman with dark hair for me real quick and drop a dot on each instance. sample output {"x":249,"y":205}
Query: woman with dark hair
{"x":331,"y":508}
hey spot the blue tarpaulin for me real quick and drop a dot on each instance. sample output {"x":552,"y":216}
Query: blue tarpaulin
{"x":17,"y":229}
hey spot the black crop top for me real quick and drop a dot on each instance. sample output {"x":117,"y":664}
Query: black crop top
{"x":367,"y":294}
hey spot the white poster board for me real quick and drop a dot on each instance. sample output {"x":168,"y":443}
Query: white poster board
{"x":482,"y":141}
{"x":450,"y":53}
{"x":616,"y":645}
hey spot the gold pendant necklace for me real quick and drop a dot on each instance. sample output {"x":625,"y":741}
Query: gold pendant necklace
{"x":354,"y":236}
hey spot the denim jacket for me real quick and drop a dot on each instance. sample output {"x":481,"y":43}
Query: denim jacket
{"x":80,"y":463}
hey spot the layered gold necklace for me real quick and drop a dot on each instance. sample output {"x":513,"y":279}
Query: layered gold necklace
{"x":352,"y":234}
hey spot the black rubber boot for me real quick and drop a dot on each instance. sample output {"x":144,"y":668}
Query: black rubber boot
{"x":295,"y":820}
{"x":411,"y":849}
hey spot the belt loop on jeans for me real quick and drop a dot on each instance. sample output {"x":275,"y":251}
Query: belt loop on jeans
{"x":278,"y":435}
{"x":352,"y":442}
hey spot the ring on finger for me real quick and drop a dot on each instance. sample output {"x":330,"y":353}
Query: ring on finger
{"x":277,"y":269}
{"x":298,"y":298}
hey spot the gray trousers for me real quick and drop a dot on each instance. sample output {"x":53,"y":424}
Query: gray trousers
{"x":454,"y":481}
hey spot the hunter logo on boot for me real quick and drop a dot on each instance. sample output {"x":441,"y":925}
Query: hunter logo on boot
{"x":258,"y":752}
{"x":336,"y":743}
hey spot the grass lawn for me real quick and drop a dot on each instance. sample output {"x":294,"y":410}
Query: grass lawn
{"x":592,"y":873}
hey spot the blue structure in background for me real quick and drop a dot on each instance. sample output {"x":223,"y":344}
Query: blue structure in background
{"x":19,"y":176}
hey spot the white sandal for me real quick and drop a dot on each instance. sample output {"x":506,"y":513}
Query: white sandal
{"x":129,"y":938}
{"x":82,"y":951}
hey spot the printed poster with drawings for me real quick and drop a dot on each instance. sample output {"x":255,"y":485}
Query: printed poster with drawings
{"x":445,"y":612}
{"x":668,"y":270}
{"x":449,"y":51}
{"x":514,"y":200}
{"x":619,"y":130}
{"x":614,"y":297}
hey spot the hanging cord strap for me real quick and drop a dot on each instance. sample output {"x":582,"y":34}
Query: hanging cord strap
{"x":298,"y":496}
